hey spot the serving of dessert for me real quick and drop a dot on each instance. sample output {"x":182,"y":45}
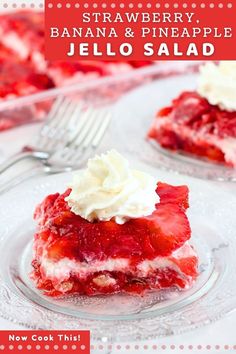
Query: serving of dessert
{"x":202,"y":122}
{"x":115,"y":229}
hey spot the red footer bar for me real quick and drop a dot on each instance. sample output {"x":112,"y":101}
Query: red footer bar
{"x":45,"y":342}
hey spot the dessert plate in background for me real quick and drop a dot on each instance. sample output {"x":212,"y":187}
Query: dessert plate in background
{"x":122,"y":317}
{"x":133,"y":116}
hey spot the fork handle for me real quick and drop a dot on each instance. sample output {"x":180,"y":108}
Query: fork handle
{"x":22,"y":177}
{"x":40,"y":155}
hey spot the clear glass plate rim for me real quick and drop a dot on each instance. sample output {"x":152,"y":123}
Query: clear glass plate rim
{"x":21,"y":288}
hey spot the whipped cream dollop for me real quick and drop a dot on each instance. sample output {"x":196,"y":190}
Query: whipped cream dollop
{"x":109,"y":189}
{"x":217,"y":83}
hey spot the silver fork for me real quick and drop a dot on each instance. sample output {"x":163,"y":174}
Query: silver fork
{"x":91,"y":128}
{"x":57,"y":128}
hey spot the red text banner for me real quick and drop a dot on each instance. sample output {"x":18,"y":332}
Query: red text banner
{"x":45,"y":342}
{"x":140,"y":30}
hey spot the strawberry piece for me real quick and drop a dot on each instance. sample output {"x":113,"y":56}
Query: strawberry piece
{"x":173,"y":194}
{"x":63,"y":248}
{"x":168,"y":227}
{"x":125,"y":246}
{"x":187,"y":265}
{"x":168,"y":277}
{"x":186,"y":260}
{"x":136,"y":287}
{"x":164,"y":112}
{"x":189,"y":106}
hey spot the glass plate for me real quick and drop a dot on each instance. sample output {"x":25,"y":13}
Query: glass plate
{"x":134,"y":114}
{"x":121,"y":317}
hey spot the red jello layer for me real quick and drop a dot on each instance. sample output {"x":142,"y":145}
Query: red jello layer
{"x":159,"y":234}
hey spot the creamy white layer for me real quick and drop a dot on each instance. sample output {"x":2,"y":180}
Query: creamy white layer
{"x":62,"y":269}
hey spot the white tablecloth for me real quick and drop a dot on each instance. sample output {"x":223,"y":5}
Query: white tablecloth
{"x":222,"y":333}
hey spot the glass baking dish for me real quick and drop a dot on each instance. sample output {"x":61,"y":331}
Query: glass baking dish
{"x":34,"y":107}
